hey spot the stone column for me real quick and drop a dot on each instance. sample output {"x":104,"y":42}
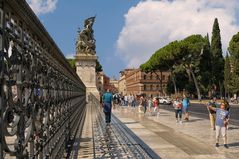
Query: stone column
{"x":85,"y":69}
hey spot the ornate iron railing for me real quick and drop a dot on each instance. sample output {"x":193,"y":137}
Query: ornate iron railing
{"x":42,"y":100}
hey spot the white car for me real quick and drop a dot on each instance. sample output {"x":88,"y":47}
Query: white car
{"x":164,"y":101}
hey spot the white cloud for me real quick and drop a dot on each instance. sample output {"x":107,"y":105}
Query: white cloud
{"x":153,"y":24}
{"x":42,"y":6}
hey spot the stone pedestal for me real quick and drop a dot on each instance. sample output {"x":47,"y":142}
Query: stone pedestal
{"x":85,"y":69}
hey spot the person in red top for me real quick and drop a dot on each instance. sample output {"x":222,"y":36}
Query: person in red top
{"x":177,"y":104}
{"x":156,"y":105}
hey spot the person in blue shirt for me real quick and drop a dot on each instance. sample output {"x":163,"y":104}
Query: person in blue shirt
{"x":222,"y":119}
{"x":107,"y":105}
{"x":186,"y":104}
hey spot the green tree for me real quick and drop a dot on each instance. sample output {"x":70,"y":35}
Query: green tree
{"x":205,"y":68}
{"x":72,"y":63}
{"x":181,"y":81}
{"x":185,"y":53}
{"x":227,"y":76}
{"x":164,"y":59}
{"x":98,"y":67}
{"x":234,"y":63}
{"x":195,"y":46}
{"x":217,"y":58}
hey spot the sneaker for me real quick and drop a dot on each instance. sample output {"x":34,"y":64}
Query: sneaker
{"x":181,"y":122}
{"x":176,"y":120}
{"x":217,"y":145}
{"x":226,"y":146}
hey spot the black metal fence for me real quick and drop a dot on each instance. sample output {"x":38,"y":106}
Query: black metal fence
{"x":42,"y":100}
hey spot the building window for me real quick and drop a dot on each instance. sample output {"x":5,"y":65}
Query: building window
{"x":151,"y":87}
{"x":145,"y":87}
{"x":163,"y":78}
{"x":156,"y":87}
{"x":157,"y":77}
{"x":145,"y":76}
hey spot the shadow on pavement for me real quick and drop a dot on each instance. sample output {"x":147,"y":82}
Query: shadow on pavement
{"x":232,"y":128}
{"x":233,"y":144}
{"x":193,"y":120}
{"x":131,"y":122}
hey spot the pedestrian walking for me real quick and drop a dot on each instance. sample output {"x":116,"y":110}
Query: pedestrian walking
{"x":107,"y":106}
{"x":143,"y":103}
{"x":122,"y":100}
{"x":212,"y":113}
{"x":186,"y":104}
{"x":156,"y":106}
{"x":133,"y":101}
{"x":150,"y":104}
{"x":115,"y":98}
{"x":126,"y":102}
{"x":178,"y":110}
{"x":221,"y":122}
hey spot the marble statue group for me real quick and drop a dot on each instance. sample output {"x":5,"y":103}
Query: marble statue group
{"x":85,"y":43}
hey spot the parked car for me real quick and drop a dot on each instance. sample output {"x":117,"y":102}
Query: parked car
{"x":163,"y":100}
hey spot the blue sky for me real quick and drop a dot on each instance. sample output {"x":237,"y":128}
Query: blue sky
{"x":128,"y":32}
{"x":63,"y":21}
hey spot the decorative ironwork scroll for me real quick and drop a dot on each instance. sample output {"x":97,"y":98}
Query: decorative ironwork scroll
{"x":42,"y":100}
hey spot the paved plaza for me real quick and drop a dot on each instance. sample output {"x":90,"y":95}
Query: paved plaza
{"x":157,"y":135}
{"x":170,"y":140}
{"x":58,"y":84}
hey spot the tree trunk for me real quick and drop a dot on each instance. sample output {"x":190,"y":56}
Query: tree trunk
{"x":174,"y":83}
{"x":196,"y":83}
{"x":161,"y":82}
{"x":225,"y":93}
{"x":189,"y":74}
{"x":229,"y":98}
{"x":220,"y":87}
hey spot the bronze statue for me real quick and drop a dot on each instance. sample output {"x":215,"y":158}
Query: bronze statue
{"x":86,"y":43}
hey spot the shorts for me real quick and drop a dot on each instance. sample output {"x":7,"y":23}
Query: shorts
{"x":185,"y":109}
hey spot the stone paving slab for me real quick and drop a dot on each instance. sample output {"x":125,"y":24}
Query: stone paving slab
{"x":193,"y":139}
{"x":84,"y":138}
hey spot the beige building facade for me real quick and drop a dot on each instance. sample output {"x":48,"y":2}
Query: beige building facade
{"x":121,"y":84}
{"x":114,"y":84}
{"x":122,"y":81}
{"x":135,"y":81}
